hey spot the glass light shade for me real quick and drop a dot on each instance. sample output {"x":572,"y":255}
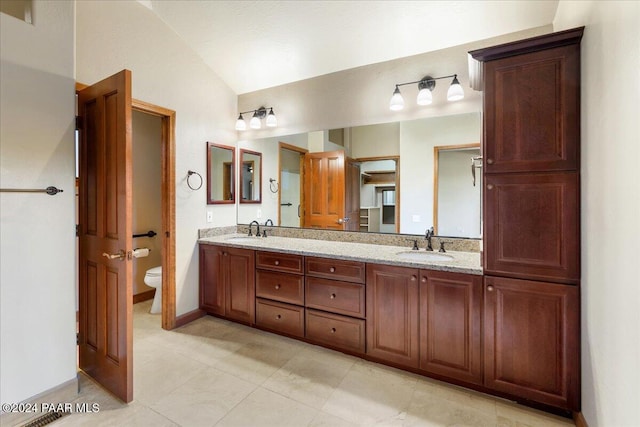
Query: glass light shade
{"x":241,"y":124}
{"x":271,"y":119}
{"x":397,"y":102}
{"x":424,"y":97}
{"x":455,"y":92}
{"x":255,"y":122}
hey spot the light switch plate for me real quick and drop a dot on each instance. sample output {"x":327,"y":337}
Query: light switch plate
{"x":209,"y":216}
{"x":259,"y":213}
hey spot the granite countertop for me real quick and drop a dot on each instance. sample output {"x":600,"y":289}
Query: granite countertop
{"x":462,"y":262}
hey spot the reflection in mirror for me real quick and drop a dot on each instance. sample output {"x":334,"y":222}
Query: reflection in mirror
{"x":291,"y":161}
{"x":454,"y":186}
{"x":250,"y":176}
{"x":220,"y":174}
{"x":411,"y":143}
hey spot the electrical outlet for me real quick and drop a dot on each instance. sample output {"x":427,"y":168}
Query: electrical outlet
{"x":209,"y":216}
{"x":259,"y":213}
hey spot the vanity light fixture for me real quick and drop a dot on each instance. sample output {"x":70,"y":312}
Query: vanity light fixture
{"x":258,"y":115}
{"x":425,"y":87}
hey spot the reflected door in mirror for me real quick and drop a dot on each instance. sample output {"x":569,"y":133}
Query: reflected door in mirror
{"x":220,"y":174}
{"x":250,"y":176}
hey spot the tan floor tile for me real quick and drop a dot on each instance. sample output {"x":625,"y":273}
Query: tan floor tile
{"x":310,"y":377}
{"x":204,"y":399}
{"x":327,"y":420}
{"x":132,"y":415}
{"x":371,"y":394}
{"x":514,"y":415}
{"x":265,"y":408}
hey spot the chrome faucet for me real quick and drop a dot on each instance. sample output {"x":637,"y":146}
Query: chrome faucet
{"x":428,"y":235}
{"x":268,"y":222}
{"x":257,"y":228}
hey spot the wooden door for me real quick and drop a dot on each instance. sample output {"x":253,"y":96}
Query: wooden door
{"x":324,"y":185}
{"x":450,"y":325}
{"x":531,"y":340}
{"x":240,"y":291}
{"x":105,"y":235}
{"x":531,"y":111}
{"x":392,"y":314}
{"x":531,"y":226}
{"x":352,"y":195}
{"x":212,"y":292}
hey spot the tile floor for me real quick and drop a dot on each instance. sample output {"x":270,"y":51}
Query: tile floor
{"x":216,"y":373}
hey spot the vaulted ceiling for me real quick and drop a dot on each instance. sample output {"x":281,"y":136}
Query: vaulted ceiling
{"x":254,"y":45}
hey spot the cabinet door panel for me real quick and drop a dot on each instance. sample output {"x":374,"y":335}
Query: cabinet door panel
{"x":450,"y":325}
{"x":240,"y":284}
{"x":531,"y":109}
{"x":531,"y":226}
{"x":392,"y":314}
{"x":531,"y":332}
{"x":212,"y":294}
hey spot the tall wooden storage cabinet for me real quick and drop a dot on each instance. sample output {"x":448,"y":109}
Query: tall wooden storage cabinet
{"x":531,"y":141}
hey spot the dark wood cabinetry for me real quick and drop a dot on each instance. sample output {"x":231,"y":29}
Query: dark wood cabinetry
{"x":532,"y":221}
{"x":335,"y":301}
{"x":280,"y":292}
{"x":531,"y":149}
{"x":451,"y":325}
{"x":531,"y":333}
{"x":392,"y":314}
{"x":227,"y":283}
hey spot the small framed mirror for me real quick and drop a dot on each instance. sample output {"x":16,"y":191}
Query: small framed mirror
{"x":250,"y":176}
{"x":221,"y":174}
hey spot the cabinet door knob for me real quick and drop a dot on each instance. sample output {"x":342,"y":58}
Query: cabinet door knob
{"x":489,"y":161}
{"x":332,"y":296}
{"x":489,"y":186}
{"x":224,"y":253}
{"x":278,"y":316}
{"x":277,"y":286}
{"x":414,"y":277}
{"x":490,"y":288}
{"x":424,"y":280}
{"x":277,"y":262}
{"x":333,"y":330}
{"x":332,"y":270}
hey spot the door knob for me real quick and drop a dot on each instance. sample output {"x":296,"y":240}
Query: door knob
{"x":120,"y":255}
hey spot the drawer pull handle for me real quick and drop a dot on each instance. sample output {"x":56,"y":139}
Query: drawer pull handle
{"x":278,"y":316}
{"x":332,"y":296}
{"x":489,"y":186}
{"x":332,"y":270}
{"x":414,"y":278}
{"x":490,"y":288}
{"x":424,"y":280}
{"x":277,"y":286}
{"x":277,"y":262}
{"x":333,"y":330}
{"x":490,"y":161}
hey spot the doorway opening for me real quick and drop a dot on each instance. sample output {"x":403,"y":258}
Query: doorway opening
{"x":380,"y":194}
{"x":290,"y":188}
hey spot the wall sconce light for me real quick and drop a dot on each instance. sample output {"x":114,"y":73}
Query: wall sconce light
{"x":258,"y":115}
{"x":425,"y":87}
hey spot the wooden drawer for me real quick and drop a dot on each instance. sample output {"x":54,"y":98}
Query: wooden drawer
{"x":280,"y":286}
{"x":335,"y":330}
{"x":349,"y":271}
{"x":337,"y":297}
{"x":285,"y":318}
{"x":289,"y":263}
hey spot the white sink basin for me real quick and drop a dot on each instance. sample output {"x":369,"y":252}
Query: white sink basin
{"x":240,"y":238}
{"x":423,"y":256}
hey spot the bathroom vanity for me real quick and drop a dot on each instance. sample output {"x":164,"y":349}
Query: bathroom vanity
{"x":509,"y":326}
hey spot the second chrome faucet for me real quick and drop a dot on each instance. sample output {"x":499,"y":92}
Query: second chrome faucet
{"x":428,"y":235}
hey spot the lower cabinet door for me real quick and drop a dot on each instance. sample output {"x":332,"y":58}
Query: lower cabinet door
{"x":239,"y":271}
{"x":285,"y":318}
{"x":335,"y":330}
{"x":392,"y":314}
{"x":212,"y":289}
{"x":451,"y":325}
{"x":531,"y":340}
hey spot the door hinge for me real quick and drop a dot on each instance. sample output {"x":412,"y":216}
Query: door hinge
{"x":78,"y":122}
{"x":129,"y":255}
{"x":77,"y":230}
{"x":77,"y":338}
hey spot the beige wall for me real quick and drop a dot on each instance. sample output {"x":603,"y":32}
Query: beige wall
{"x":112,"y":35}
{"x":610,"y":154}
{"x":147,"y":194}
{"x":375,"y":140}
{"x":37,"y":244}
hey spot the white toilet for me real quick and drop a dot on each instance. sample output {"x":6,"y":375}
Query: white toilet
{"x":153,"y":278}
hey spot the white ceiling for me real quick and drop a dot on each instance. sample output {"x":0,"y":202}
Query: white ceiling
{"x":254,"y":45}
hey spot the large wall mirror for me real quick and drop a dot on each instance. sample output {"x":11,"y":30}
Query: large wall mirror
{"x":386,"y":152}
{"x":220,"y":174}
{"x":250,"y":176}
